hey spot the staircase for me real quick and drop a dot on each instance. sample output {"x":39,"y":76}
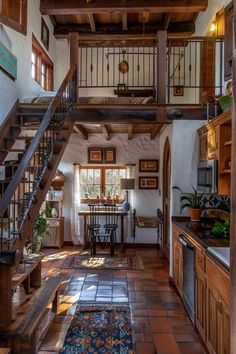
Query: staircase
{"x":33,"y":139}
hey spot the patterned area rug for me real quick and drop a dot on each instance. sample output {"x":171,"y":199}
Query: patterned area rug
{"x":98,"y":262}
{"x":100,"y":328}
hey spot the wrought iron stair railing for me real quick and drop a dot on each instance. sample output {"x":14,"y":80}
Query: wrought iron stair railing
{"x":33,"y":151}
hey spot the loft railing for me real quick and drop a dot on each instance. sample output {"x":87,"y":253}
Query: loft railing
{"x":19,"y":190}
{"x":195,"y":69}
{"x":195,"y":65}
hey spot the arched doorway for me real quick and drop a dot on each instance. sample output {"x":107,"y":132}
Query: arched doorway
{"x":166,"y":198}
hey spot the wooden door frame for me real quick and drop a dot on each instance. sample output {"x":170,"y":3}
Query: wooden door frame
{"x":233,"y":204}
{"x":166,"y":159}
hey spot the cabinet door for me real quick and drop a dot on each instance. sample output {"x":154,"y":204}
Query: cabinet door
{"x":178,"y":266}
{"x":203,"y":146}
{"x":201,"y":303}
{"x":223,"y":328}
{"x":212,"y":319}
{"x":212,"y":143}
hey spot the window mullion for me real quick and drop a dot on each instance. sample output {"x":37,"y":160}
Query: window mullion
{"x":103,"y":180}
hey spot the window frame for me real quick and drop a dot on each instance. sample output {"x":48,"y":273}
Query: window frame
{"x":42,"y":59}
{"x":102,"y":182}
{"x":5,"y":19}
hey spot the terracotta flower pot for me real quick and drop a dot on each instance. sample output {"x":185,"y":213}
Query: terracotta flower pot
{"x":195,"y":214}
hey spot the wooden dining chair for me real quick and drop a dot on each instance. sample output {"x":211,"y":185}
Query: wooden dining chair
{"x":93,"y":226}
{"x":96,"y":236}
{"x":111,"y":220}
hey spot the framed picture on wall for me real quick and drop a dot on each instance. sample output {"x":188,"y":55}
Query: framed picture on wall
{"x":148,"y":182}
{"x":109,"y":155}
{"x":44,"y":34}
{"x":178,"y":90}
{"x":148,"y":166}
{"x":95,"y":155}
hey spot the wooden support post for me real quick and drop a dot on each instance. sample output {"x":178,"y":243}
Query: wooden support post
{"x":6,"y":272}
{"x":73,"y":40}
{"x":233,"y":202}
{"x":161,"y":67}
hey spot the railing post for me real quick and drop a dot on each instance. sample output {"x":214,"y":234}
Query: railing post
{"x":73,"y":40}
{"x":161,"y":67}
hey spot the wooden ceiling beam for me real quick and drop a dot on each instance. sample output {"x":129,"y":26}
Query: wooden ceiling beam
{"x":114,"y":31}
{"x":135,"y":114}
{"x":92,"y":22}
{"x":106,"y":131}
{"x":81,"y":130}
{"x":130,"y":131}
{"x":74,"y":7}
{"x":124,"y":21}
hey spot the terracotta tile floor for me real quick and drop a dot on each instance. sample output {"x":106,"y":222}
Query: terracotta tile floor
{"x":159,"y":321}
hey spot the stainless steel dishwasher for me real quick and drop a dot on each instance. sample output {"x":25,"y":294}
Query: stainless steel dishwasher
{"x":188,"y":276}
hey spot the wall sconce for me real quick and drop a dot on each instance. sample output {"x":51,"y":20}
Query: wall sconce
{"x":213,"y":27}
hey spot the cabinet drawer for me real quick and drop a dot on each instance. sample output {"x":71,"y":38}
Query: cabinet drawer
{"x":200,"y":260}
{"x":218,"y":278}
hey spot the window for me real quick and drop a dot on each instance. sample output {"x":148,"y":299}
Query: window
{"x":41,"y":66}
{"x":98,"y":182}
{"x":13,"y":13}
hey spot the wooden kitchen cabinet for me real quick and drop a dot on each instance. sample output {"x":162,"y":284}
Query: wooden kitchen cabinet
{"x":200,"y":293}
{"x":177,"y":261}
{"x":200,"y":306}
{"x":203,"y":143}
{"x":215,"y":143}
{"x":178,"y":266}
{"x":218,"y":322}
{"x":217,"y":309}
{"x":212,"y":141}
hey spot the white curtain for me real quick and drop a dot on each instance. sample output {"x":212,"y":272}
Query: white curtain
{"x":76,"y":235}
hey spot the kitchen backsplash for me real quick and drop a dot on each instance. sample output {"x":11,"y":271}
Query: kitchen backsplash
{"x":214,"y":201}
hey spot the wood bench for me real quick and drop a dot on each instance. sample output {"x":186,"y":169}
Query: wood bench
{"x":33,"y":319}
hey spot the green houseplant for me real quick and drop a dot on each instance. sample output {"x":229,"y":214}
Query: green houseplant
{"x":192,"y":200}
{"x":40,"y":230}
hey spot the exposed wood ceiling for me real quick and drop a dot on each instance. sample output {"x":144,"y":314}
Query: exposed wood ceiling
{"x":122,"y":20}
{"x":111,"y":119}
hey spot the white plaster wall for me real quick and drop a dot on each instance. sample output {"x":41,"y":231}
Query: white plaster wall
{"x":24,"y":86}
{"x":205,"y":18}
{"x":183,"y":140}
{"x":128,"y":151}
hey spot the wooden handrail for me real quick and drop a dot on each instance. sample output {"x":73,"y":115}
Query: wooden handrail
{"x":4,"y":201}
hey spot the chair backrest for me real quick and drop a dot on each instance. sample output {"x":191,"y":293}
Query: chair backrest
{"x":93,"y":215}
{"x":111,"y":214}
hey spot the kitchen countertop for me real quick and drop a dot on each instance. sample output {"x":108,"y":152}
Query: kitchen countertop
{"x":193,"y":231}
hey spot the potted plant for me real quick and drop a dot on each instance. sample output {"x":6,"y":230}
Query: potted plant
{"x":192,"y":200}
{"x":40,"y":230}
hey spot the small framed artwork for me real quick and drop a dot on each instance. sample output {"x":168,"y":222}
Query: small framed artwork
{"x":44,"y":34}
{"x":148,"y":166}
{"x":178,"y":90}
{"x":109,"y":155}
{"x":148,"y":182}
{"x":95,"y":155}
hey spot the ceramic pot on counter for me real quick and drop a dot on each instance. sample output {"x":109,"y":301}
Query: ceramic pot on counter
{"x":195,"y":214}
